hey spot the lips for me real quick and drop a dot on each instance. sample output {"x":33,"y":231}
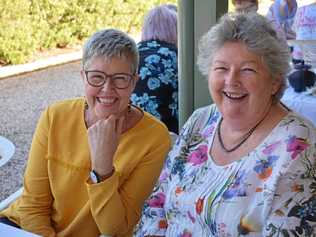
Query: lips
{"x":235,"y":96}
{"x":106,"y":101}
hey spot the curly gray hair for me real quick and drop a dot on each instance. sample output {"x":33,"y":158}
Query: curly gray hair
{"x":110,"y":43}
{"x":257,"y":34}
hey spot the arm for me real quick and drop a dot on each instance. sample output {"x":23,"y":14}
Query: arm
{"x":35,"y":204}
{"x":293,"y":210}
{"x":116,"y":207}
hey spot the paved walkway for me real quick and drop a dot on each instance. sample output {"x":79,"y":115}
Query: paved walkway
{"x":22,"y":98}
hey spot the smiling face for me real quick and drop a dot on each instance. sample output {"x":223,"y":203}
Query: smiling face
{"x":239,"y":82}
{"x":106,"y":100}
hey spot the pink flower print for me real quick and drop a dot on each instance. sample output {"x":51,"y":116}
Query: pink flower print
{"x":157,"y":200}
{"x":186,"y":233}
{"x":270,"y":148}
{"x":198,"y":156}
{"x":296,"y":145}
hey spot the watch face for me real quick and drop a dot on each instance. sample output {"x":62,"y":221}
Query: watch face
{"x":93,"y":177}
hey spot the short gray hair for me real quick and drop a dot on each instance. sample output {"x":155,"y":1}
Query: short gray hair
{"x":110,"y":43}
{"x":257,"y":34}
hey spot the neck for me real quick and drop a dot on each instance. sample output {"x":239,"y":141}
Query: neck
{"x":242,"y":136}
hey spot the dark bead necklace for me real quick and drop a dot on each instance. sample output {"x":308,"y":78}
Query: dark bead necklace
{"x":246,"y":136}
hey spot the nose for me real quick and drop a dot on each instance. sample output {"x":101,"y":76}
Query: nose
{"x":232,"y":79}
{"x":108,"y":85}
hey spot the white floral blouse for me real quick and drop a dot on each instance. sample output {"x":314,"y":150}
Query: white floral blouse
{"x":269,"y":192}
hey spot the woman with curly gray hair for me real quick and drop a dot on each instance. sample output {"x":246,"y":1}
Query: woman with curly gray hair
{"x":245,"y":164}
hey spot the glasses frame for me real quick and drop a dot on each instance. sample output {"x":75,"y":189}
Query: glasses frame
{"x":131,"y":76}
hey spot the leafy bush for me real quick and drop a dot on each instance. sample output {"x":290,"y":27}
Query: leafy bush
{"x":31,"y":25}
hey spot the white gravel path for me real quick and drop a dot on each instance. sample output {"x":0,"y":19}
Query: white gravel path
{"x":22,"y":98}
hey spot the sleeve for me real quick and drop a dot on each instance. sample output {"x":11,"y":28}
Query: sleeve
{"x":116,"y":209}
{"x":34,"y":207}
{"x":153,"y":221}
{"x":293,"y":211}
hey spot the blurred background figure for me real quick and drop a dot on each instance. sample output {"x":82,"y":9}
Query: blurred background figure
{"x":172,"y":7}
{"x":281,"y":13}
{"x":245,"y":5}
{"x":300,"y":96}
{"x":157,"y":90}
{"x":305,"y":28}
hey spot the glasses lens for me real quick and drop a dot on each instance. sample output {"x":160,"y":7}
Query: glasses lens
{"x":121,"y":81}
{"x":95,"y":78}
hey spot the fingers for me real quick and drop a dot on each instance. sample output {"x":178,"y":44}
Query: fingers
{"x":112,"y":123}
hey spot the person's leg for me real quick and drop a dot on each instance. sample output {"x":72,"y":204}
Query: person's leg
{"x":6,"y":221}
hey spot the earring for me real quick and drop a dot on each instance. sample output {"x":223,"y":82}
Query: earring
{"x":129,"y":107}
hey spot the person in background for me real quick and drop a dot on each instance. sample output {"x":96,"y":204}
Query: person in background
{"x":245,"y":165}
{"x":157,"y":90}
{"x":89,"y":169}
{"x":245,"y":5}
{"x":172,"y":7}
{"x":305,"y":28}
{"x":281,"y":14}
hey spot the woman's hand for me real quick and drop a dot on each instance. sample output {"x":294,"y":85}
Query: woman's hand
{"x":103,"y":137}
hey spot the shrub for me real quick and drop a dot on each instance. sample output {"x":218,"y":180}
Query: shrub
{"x":44,"y":24}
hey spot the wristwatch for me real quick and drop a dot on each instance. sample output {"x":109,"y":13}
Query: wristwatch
{"x":95,"y":178}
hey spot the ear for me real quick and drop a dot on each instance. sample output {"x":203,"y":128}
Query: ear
{"x":82,"y":75}
{"x":276,"y":84}
{"x":135,"y":80}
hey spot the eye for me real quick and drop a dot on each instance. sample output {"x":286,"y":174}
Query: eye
{"x":95,"y":77}
{"x":220,"y":68}
{"x":121,"y":78}
{"x":248,"y":69}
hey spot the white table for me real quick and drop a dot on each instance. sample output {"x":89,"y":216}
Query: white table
{"x":6,"y":230}
{"x":6,"y":150}
{"x":301,"y":103}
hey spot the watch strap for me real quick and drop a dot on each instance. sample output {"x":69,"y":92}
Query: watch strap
{"x":96,"y":178}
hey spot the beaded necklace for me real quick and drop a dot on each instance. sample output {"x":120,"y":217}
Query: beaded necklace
{"x":246,"y":136}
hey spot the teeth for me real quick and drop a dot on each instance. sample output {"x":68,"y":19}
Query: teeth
{"x":106,"y":101}
{"x":235,"y":95}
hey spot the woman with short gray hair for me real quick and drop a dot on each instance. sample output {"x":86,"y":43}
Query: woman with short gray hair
{"x":89,"y":169}
{"x":243,"y":166}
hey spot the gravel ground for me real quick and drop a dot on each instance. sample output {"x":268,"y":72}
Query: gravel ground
{"x":22,"y":98}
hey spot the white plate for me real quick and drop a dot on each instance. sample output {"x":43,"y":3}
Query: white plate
{"x":6,"y":150}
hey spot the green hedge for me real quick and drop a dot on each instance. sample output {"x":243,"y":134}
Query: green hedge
{"x":27,"y":26}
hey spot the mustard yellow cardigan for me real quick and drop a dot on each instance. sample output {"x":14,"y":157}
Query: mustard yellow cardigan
{"x":58,"y":198}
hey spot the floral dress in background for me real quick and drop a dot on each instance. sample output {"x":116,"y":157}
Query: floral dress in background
{"x":269,"y":192}
{"x":157,"y":89}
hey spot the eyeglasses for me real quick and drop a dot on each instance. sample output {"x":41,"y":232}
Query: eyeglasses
{"x":98,"y":78}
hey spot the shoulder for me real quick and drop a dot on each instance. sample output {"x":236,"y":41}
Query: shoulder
{"x":150,"y":125}
{"x":151,"y":122}
{"x":66,"y":108}
{"x":294,"y":126}
{"x":206,"y":112}
{"x":201,"y":117}
{"x":150,"y":132}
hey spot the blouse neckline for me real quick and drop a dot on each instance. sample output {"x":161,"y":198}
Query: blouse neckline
{"x":250,"y":153}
